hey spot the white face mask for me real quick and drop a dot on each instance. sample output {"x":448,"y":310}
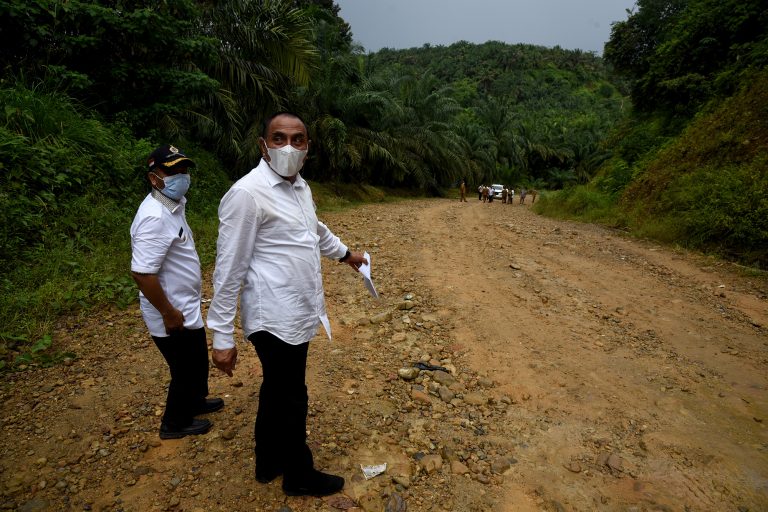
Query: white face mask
{"x":287,"y":160}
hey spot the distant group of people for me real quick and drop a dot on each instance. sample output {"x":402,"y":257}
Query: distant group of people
{"x":486,"y":194}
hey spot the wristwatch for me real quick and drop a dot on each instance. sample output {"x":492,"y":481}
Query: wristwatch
{"x":344,"y":258}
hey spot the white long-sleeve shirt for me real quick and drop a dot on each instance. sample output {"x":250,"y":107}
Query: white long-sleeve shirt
{"x":269,"y":244}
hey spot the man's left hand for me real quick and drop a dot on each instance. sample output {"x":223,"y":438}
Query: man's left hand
{"x":355,"y":260}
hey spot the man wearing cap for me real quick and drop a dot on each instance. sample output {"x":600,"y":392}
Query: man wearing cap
{"x":269,"y":246}
{"x":165,"y":265}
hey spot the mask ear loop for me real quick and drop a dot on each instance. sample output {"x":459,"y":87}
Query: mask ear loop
{"x":158,"y":177}
{"x":264,"y":149}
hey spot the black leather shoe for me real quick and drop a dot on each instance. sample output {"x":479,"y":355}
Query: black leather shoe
{"x":211,"y":405}
{"x":265,"y":474}
{"x":195,"y":428}
{"x":314,"y":483}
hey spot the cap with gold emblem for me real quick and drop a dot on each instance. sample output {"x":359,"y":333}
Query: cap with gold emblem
{"x":167,"y":157}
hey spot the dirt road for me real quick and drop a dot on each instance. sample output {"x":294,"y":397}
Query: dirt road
{"x":583,"y":371}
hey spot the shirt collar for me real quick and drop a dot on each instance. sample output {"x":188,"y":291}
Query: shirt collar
{"x":275,"y":179}
{"x":167,"y":201}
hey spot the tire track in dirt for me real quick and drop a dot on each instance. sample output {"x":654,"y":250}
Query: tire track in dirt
{"x":646,"y":383}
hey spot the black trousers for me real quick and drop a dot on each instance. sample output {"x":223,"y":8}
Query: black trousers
{"x":281,"y":421}
{"x":186,"y":353}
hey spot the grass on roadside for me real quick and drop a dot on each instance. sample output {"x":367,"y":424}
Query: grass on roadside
{"x":331,"y":197}
{"x":583,"y":204}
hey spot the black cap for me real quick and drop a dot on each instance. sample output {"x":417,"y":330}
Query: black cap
{"x":168,"y":157}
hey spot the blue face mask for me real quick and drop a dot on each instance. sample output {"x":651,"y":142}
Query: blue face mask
{"x":176,"y":186}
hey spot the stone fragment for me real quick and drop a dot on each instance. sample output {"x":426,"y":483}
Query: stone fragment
{"x":395,"y":503}
{"x":614,"y":462}
{"x":399,"y":337}
{"x":402,"y":480}
{"x":500,"y":465}
{"x":445,"y":394}
{"x":475,"y":399}
{"x":573,"y":466}
{"x":420,"y":396}
{"x":341,"y":502}
{"x":381,"y":317}
{"x":370,"y":502}
{"x":408,"y":373}
{"x":141,"y":470}
{"x":444,"y":378}
{"x":431,"y":463}
{"x":34,"y":505}
{"x":485,"y":382}
{"x":459,"y":468}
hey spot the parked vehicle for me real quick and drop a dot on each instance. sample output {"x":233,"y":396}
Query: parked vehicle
{"x":496,"y":190}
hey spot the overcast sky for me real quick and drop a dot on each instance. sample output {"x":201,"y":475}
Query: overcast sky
{"x":583,"y":24}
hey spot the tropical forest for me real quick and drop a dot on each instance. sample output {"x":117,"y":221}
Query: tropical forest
{"x":664,"y":136}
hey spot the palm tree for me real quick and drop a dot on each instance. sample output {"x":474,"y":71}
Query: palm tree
{"x":264,"y":47}
{"x":341,"y":106}
{"x":390,"y":129}
{"x":430,"y":145}
{"x":482,"y":162}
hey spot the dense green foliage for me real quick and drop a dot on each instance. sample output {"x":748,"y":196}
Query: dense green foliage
{"x":206,"y":71}
{"x":69,"y":188}
{"x":689,"y":165}
{"x":431,"y":116}
{"x":53,"y":156}
{"x":682,"y":53}
{"x":710,"y":184}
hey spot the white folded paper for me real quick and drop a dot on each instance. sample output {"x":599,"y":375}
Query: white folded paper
{"x":371,"y":471}
{"x":365,"y":269}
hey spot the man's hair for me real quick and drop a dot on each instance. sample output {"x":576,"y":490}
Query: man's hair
{"x":268,"y":121}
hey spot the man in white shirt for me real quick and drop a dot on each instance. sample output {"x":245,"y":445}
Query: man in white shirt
{"x":269,"y":247}
{"x":165,"y":266}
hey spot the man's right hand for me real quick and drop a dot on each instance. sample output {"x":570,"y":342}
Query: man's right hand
{"x":225,"y":359}
{"x":174,"y":321}
{"x":149,"y":284}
